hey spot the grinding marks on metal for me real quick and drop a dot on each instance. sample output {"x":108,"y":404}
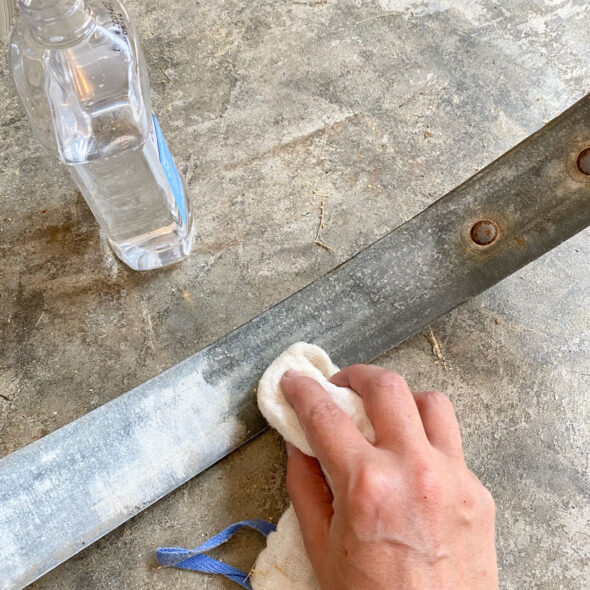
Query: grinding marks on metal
{"x":63,"y":492}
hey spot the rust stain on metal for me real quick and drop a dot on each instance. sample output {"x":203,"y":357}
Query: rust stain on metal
{"x":484,"y":232}
{"x":583,"y":161}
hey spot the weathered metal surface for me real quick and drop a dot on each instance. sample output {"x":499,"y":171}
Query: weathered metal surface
{"x":66,"y":490}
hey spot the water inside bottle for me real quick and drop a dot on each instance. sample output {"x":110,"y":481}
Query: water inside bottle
{"x":79,"y":69}
{"x":128,"y":191}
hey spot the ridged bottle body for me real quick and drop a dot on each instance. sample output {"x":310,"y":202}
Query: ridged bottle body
{"x":81,"y":76}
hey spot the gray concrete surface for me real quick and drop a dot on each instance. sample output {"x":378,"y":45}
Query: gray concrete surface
{"x":376,"y":108}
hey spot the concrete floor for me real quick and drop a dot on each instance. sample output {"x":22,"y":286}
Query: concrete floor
{"x":377,"y":108}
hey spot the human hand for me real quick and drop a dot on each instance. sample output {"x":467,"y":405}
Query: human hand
{"x":404,"y":513}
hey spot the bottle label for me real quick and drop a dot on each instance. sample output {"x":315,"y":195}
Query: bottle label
{"x":170,"y":170}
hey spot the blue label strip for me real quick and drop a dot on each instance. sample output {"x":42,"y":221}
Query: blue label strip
{"x":196,"y":561}
{"x":170,"y":170}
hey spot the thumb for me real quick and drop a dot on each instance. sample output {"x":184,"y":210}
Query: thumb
{"x":312,"y":500}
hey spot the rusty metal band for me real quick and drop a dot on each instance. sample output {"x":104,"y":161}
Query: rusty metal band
{"x":63,"y":492}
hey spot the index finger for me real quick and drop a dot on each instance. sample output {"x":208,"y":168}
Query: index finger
{"x":389,"y":403}
{"x":330,"y":432}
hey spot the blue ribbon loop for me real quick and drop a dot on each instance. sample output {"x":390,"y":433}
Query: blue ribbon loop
{"x":196,"y":561}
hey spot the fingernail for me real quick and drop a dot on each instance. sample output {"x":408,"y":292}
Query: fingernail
{"x":290,"y":448}
{"x":292,"y":374}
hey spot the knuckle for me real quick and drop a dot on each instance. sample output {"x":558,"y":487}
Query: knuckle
{"x":467,"y":502}
{"x":322,"y":412}
{"x":475,"y":503}
{"x":427,"y":484}
{"x":302,"y":384}
{"x":387,"y":381}
{"x":370,"y":494}
{"x":301,"y":389}
{"x":370,"y":481}
{"x":293,"y":389}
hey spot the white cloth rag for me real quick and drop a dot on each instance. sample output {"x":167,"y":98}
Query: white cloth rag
{"x":284,"y":564}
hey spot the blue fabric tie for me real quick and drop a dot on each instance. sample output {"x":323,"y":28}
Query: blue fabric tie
{"x":195,"y":560}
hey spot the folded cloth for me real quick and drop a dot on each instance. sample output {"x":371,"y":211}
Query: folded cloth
{"x":284,"y":564}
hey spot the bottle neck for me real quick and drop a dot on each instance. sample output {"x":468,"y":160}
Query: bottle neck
{"x":56,"y":22}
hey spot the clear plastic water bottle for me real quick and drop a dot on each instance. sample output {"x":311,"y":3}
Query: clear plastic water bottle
{"x":81,"y":76}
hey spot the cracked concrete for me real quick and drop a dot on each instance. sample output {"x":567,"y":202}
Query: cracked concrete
{"x":376,"y":109}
